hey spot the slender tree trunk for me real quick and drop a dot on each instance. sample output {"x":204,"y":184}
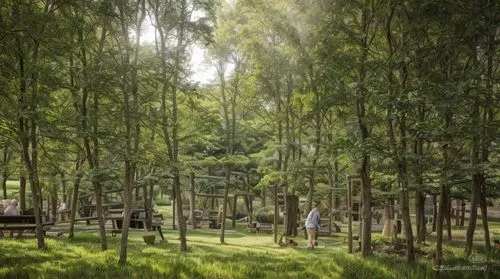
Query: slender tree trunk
{"x":487,"y":132}
{"x":53,"y":204}
{"x":22,"y":190}
{"x":130,"y":89}
{"x":448,"y":216}
{"x":127,"y":208}
{"x":5,"y":175}
{"x":484,"y":215}
{"x":168,"y":73}
{"x":462,"y":217}
{"x":192,"y":202}
{"x":224,"y":203}
{"x":444,"y":192}
{"x":150,"y":212}
{"x":76,"y":189}
{"x":364,"y":169}
{"x":388,"y":226}
{"x":434,"y":212}
{"x":180,"y":216}
{"x":419,"y":194}
{"x":477,"y":180}
{"x":27,"y":119}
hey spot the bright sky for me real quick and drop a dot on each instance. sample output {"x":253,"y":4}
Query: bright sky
{"x":203,"y":72}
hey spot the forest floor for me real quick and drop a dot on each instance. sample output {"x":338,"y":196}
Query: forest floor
{"x":245,"y":255}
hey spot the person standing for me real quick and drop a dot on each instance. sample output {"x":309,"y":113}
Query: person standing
{"x":312,"y":222}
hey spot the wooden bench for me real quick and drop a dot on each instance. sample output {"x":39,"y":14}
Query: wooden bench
{"x":136,"y":223}
{"x":213,"y":219}
{"x":87,"y":219}
{"x":20,"y":223}
{"x":265,"y":227}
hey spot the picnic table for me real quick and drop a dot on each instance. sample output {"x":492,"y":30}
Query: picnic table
{"x":21,"y":223}
{"x":138,"y":220}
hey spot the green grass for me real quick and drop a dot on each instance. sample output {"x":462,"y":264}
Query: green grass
{"x":245,"y":256}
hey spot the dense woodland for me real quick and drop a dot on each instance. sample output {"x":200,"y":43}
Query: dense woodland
{"x":403,"y":94}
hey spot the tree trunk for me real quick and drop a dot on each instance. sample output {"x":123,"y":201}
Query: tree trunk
{"x":448,"y":216}
{"x":434,"y":212}
{"x":276,"y":213}
{"x":439,"y":224}
{"x":5,"y":172}
{"x":64,"y":187}
{"x":129,"y":88}
{"x":484,"y":215}
{"x":180,"y":217}
{"x":292,"y":208}
{"x":147,"y":208}
{"x":76,"y":189}
{"x":150,"y":198}
{"x":349,"y":216}
{"x":53,"y":204}
{"x":86,"y":125}
{"x":22,"y":190}
{"x":420,"y":216}
{"x":477,"y":180}
{"x":444,"y":193}
{"x":27,"y":122}
{"x":192,"y":202}
{"x":224,"y":203}
{"x":364,"y":169}
{"x":419,"y":194}
{"x":462,"y":217}
{"x":388,"y":226}
{"x":233,"y":209}
{"x":127,"y":208}
{"x":100,"y":215}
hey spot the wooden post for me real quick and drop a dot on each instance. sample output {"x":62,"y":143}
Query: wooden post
{"x":349,"y":215}
{"x":192,"y":201}
{"x":276,"y":214}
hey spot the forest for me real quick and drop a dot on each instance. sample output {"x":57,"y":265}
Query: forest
{"x":302,"y":96}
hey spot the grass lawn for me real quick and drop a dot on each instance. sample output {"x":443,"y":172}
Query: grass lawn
{"x":246,"y":255}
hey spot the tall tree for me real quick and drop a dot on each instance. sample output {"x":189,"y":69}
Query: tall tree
{"x":130,"y":91}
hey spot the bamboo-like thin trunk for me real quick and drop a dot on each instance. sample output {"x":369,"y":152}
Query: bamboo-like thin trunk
{"x":224,"y":203}
{"x":76,"y":189}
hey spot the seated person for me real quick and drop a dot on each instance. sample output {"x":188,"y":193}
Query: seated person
{"x":61,"y":207}
{"x":12,"y":209}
